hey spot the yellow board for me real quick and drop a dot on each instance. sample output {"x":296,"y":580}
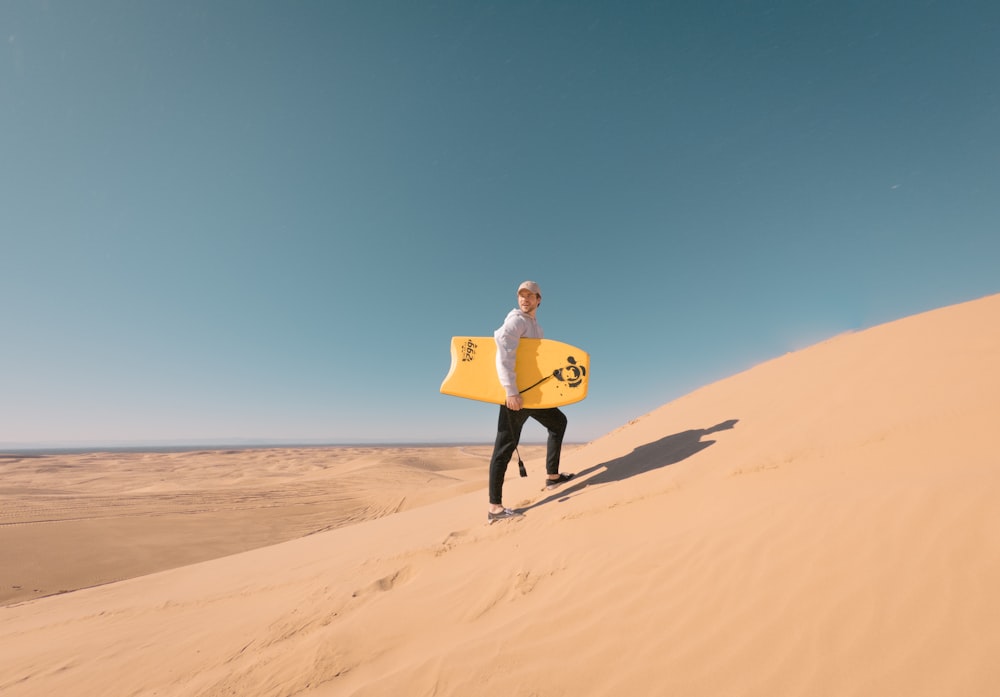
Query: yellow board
{"x":549,"y":373}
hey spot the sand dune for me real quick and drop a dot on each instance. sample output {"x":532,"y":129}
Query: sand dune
{"x":823,"y":524}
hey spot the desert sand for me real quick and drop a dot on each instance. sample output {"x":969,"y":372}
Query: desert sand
{"x":72,"y":521}
{"x":822,"y":524}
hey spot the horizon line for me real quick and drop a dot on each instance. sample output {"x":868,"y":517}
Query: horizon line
{"x":81,"y":447}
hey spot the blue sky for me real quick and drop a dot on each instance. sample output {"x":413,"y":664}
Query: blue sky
{"x":265,"y":220}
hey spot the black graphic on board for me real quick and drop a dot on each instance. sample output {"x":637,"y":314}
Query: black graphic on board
{"x":572,"y":374}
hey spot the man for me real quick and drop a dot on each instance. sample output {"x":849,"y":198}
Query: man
{"x":520,"y":322}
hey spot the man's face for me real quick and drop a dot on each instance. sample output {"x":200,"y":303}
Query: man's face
{"x":527,"y":301}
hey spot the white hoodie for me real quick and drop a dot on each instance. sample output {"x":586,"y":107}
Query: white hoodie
{"x":516,"y":325}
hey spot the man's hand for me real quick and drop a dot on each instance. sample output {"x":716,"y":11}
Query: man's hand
{"x":514,"y":402}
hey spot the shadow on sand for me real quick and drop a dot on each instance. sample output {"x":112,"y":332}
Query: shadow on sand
{"x":669,"y":450}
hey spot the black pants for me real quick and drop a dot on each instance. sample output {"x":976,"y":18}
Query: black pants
{"x":509,"y":427}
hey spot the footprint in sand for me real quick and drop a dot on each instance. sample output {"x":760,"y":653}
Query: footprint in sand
{"x":386,"y":583}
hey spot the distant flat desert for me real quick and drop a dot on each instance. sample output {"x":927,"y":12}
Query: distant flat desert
{"x":71,"y":521}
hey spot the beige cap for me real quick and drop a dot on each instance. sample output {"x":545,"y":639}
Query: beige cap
{"x":531,"y":287}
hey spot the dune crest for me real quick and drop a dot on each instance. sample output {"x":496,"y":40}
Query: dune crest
{"x":822,"y":524}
